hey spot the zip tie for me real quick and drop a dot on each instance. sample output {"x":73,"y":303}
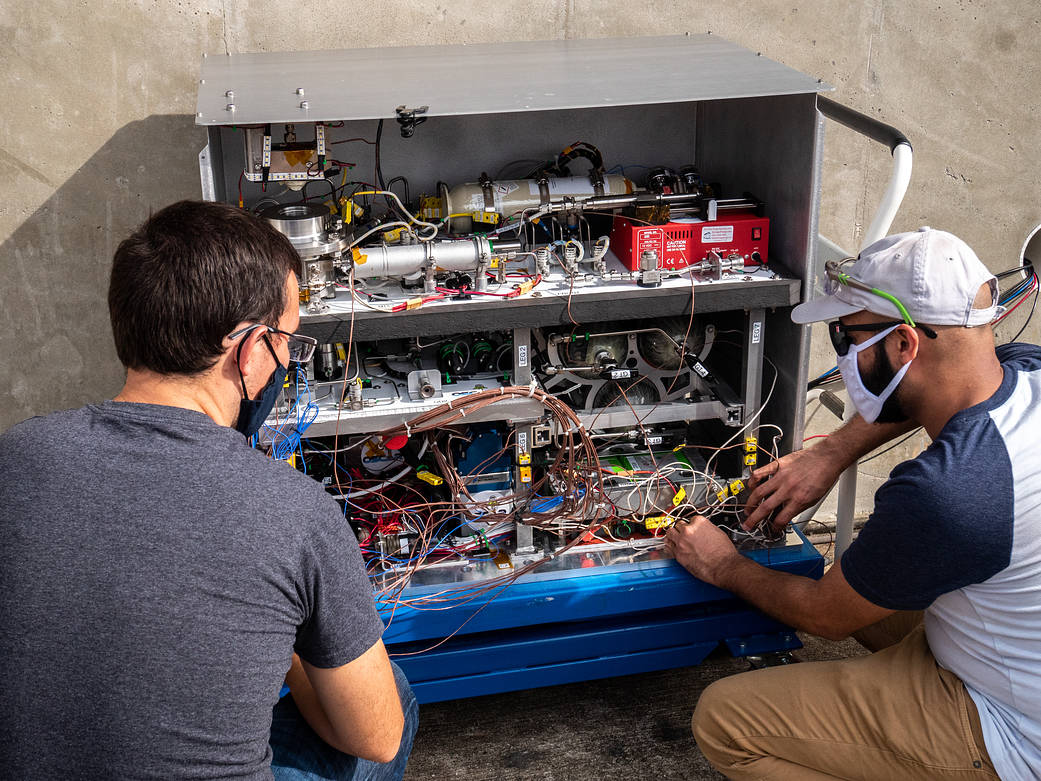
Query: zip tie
{"x":408,"y":431}
{"x":531,"y":390}
{"x":450,"y":403}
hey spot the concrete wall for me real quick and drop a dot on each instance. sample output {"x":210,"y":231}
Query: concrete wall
{"x":97,"y":127}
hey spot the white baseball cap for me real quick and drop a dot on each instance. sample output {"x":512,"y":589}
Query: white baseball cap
{"x":934,"y":274}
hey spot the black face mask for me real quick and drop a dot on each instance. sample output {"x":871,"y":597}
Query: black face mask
{"x":877,"y":379}
{"x":253,"y":412}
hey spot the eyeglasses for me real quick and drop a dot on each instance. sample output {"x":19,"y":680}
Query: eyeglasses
{"x":301,"y":347}
{"x":839,"y":333}
{"x":836,"y":278}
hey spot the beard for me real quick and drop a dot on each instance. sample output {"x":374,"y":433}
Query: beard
{"x":877,"y":378}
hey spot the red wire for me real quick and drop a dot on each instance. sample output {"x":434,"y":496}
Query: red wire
{"x":815,"y":436}
{"x":1033,"y":287}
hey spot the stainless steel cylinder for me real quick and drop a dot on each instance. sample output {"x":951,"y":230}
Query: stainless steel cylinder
{"x":402,"y":260}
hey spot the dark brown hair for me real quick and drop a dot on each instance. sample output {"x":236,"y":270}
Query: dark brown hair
{"x":187,"y":277}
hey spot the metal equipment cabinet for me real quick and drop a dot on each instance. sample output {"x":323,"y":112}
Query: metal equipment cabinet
{"x":746,"y":121}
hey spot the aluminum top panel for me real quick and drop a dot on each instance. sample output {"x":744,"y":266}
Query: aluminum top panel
{"x":488,"y":78}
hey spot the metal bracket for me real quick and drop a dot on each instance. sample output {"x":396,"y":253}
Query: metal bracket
{"x":409,"y":119}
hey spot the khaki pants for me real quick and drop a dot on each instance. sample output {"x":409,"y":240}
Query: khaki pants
{"x":892,"y":715}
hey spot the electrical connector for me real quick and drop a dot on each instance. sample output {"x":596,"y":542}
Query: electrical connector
{"x":429,"y":477}
{"x":659,"y":521}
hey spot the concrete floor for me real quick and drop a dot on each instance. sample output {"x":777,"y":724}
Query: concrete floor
{"x":633,"y":727}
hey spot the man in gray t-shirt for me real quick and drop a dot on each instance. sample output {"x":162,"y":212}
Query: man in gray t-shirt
{"x":159,"y":579}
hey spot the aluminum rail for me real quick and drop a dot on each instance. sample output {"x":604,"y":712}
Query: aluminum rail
{"x":900,"y":148}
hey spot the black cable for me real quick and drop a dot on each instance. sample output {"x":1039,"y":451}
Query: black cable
{"x":894,"y":445}
{"x":379,"y":171}
{"x":1026,"y":268}
{"x":327,"y":180}
{"x":404,"y":181}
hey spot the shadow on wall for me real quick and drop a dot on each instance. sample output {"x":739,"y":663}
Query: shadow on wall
{"x":56,"y":345}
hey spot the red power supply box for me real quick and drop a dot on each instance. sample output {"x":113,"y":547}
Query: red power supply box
{"x":680,"y":244}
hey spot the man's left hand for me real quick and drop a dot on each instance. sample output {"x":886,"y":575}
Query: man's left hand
{"x":702,"y":548}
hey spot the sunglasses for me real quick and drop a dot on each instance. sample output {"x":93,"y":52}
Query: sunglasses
{"x":301,"y":348}
{"x":839,"y":333}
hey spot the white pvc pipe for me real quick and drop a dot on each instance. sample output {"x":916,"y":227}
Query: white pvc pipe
{"x":893,"y":197}
{"x":891,"y":200}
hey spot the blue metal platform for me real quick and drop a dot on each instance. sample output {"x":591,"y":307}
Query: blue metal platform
{"x":584,"y":622}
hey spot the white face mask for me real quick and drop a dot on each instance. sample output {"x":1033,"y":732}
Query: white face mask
{"x":867,"y":403}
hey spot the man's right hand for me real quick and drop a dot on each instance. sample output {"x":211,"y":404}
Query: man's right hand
{"x":798,"y":480}
{"x":789,"y":485}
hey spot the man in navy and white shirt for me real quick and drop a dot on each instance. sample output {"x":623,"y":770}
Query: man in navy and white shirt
{"x":954,"y":539}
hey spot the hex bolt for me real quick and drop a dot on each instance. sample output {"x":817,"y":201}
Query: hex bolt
{"x":304,"y":104}
{"x":229,"y":94}
{"x":299,"y":90}
{"x":230,"y":107}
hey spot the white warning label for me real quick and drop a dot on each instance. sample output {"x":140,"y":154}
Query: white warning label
{"x":714,"y":233}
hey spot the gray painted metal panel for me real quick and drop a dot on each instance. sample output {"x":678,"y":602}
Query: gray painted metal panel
{"x":538,"y":312}
{"x":485,"y":78}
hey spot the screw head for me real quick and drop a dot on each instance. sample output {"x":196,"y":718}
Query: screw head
{"x":304,"y":104}
{"x":229,"y":94}
{"x":299,"y":90}
{"x":230,"y":107}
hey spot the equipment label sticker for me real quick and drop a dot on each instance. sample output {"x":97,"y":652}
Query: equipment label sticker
{"x":522,"y":355}
{"x":522,"y":441}
{"x":757,"y":331}
{"x":714,"y":233}
{"x":651,"y":239}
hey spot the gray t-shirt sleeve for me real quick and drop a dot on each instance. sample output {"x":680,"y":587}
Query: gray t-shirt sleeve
{"x":340,"y":621}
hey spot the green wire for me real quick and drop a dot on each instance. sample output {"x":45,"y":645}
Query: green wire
{"x":849,"y":281}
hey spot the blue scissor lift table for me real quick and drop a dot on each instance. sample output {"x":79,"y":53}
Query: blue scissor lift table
{"x":585,"y":622}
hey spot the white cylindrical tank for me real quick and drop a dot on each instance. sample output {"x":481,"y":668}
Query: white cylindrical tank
{"x":509,"y":196}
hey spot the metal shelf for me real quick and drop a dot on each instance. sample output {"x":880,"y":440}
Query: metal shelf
{"x":547,"y":305}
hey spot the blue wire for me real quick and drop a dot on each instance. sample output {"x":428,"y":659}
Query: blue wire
{"x":284,"y":443}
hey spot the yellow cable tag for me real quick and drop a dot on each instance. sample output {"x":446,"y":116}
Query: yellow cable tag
{"x":340,"y":352}
{"x":658,"y":521}
{"x":414,"y":303}
{"x":489,"y":218}
{"x":679,"y":496}
{"x":429,"y":477}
